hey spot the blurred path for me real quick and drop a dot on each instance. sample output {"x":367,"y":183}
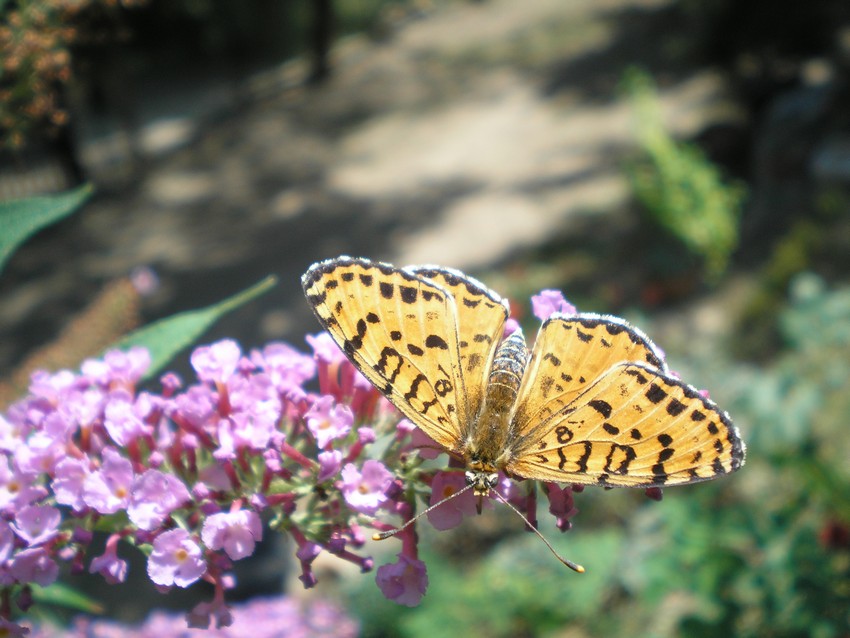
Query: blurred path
{"x":468,"y":134}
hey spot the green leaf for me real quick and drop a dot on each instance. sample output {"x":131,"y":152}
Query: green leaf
{"x":166,"y":337}
{"x":22,"y":218}
{"x":62,"y":595}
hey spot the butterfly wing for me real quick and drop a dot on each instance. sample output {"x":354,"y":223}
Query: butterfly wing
{"x":401,"y":331}
{"x":570,"y":353}
{"x":481,"y":317}
{"x":635,"y":426}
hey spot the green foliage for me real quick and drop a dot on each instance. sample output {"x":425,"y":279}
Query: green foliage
{"x":22,"y":218}
{"x":521,"y":590}
{"x":166,"y":337}
{"x":679,"y":188}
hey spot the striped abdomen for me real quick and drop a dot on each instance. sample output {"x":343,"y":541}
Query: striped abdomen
{"x":489,"y":435}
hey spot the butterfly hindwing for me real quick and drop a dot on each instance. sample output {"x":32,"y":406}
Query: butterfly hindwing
{"x":400,"y":331}
{"x":636,"y":426}
{"x":569,"y":354}
{"x":481,"y":317}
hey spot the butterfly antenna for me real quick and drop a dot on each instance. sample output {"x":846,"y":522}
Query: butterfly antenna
{"x":379,"y":536}
{"x":568,"y":563}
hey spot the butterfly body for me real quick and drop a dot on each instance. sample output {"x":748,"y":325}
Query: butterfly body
{"x":593,"y":403}
{"x":488,"y":445}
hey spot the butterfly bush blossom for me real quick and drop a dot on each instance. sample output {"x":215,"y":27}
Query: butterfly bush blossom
{"x":192,"y":474}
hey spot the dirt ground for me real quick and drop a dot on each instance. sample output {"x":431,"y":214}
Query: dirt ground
{"x":466,"y":135}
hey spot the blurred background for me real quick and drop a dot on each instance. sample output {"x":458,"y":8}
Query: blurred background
{"x":682,"y":163}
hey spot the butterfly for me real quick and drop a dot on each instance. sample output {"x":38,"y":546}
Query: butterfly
{"x":593,"y":402}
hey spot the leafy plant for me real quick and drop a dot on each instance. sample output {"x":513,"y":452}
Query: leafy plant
{"x":678,"y":187}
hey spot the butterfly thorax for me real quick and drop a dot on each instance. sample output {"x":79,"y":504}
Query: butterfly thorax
{"x":488,"y":442}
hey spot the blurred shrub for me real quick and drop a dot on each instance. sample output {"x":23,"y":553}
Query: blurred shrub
{"x":36,"y":38}
{"x":678,"y":187}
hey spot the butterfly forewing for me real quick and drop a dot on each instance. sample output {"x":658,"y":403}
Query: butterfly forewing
{"x":400,"y":331}
{"x":481,"y":316}
{"x":636,"y":426}
{"x":569,"y":354}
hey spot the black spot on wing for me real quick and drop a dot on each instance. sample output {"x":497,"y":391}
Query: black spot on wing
{"x":637,"y":374}
{"x":655,"y":393}
{"x":408,"y":294}
{"x":603,"y":407}
{"x":551,"y":357}
{"x":665,"y":454}
{"x":436,"y":341}
{"x":675,"y":407}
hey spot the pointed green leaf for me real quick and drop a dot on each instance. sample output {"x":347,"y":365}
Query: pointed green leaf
{"x":62,"y":595}
{"x":166,"y":337}
{"x":22,"y":218}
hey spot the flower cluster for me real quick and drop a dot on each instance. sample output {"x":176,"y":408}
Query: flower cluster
{"x":259,"y":618}
{"x":193,"y":475}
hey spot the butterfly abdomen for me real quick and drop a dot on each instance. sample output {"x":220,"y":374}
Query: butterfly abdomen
{"x":489,"y":435}
{"x":507,"y":370}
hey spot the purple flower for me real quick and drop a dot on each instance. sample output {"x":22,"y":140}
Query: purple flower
{"x":548,"y":302}
{"x":108,"y":565}
{"x":330,"y":463}
{"x":45,"y":447}
{"x":17,"y":489}
{"x":404,"y":582}
{"x":217,"y":611}
{"x":68,"y":483}
{"x":37,"y":524}
{"x":287,"y":368}
{"x":123,"y":418}
{"x":7,"y":541}
{"x":451,"y":513}
{"x":427,"y":447}
{"x":327,"y":421}
{"x":511,"y":326}
{"x":176,"y":559}
{"x":108,"y":489}
{"x":117,"y":367}
{"x":51,"y":385}
{"x":84,"y":407}
{"x":256,"y":410}
{"x":234,"y":532}
{"x":365,"y":492}
{"x":11,"y":435}
{"x":12,"y":630}
{"x":561,"y":505}
{"x":34,"y":565}
{"x":366,"y":435}
{"x":216,"y":362}
{"x":154,"y":496}
{"x":325,"y":348}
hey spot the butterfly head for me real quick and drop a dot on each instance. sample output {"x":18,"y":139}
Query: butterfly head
{"x":482,"y":481}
